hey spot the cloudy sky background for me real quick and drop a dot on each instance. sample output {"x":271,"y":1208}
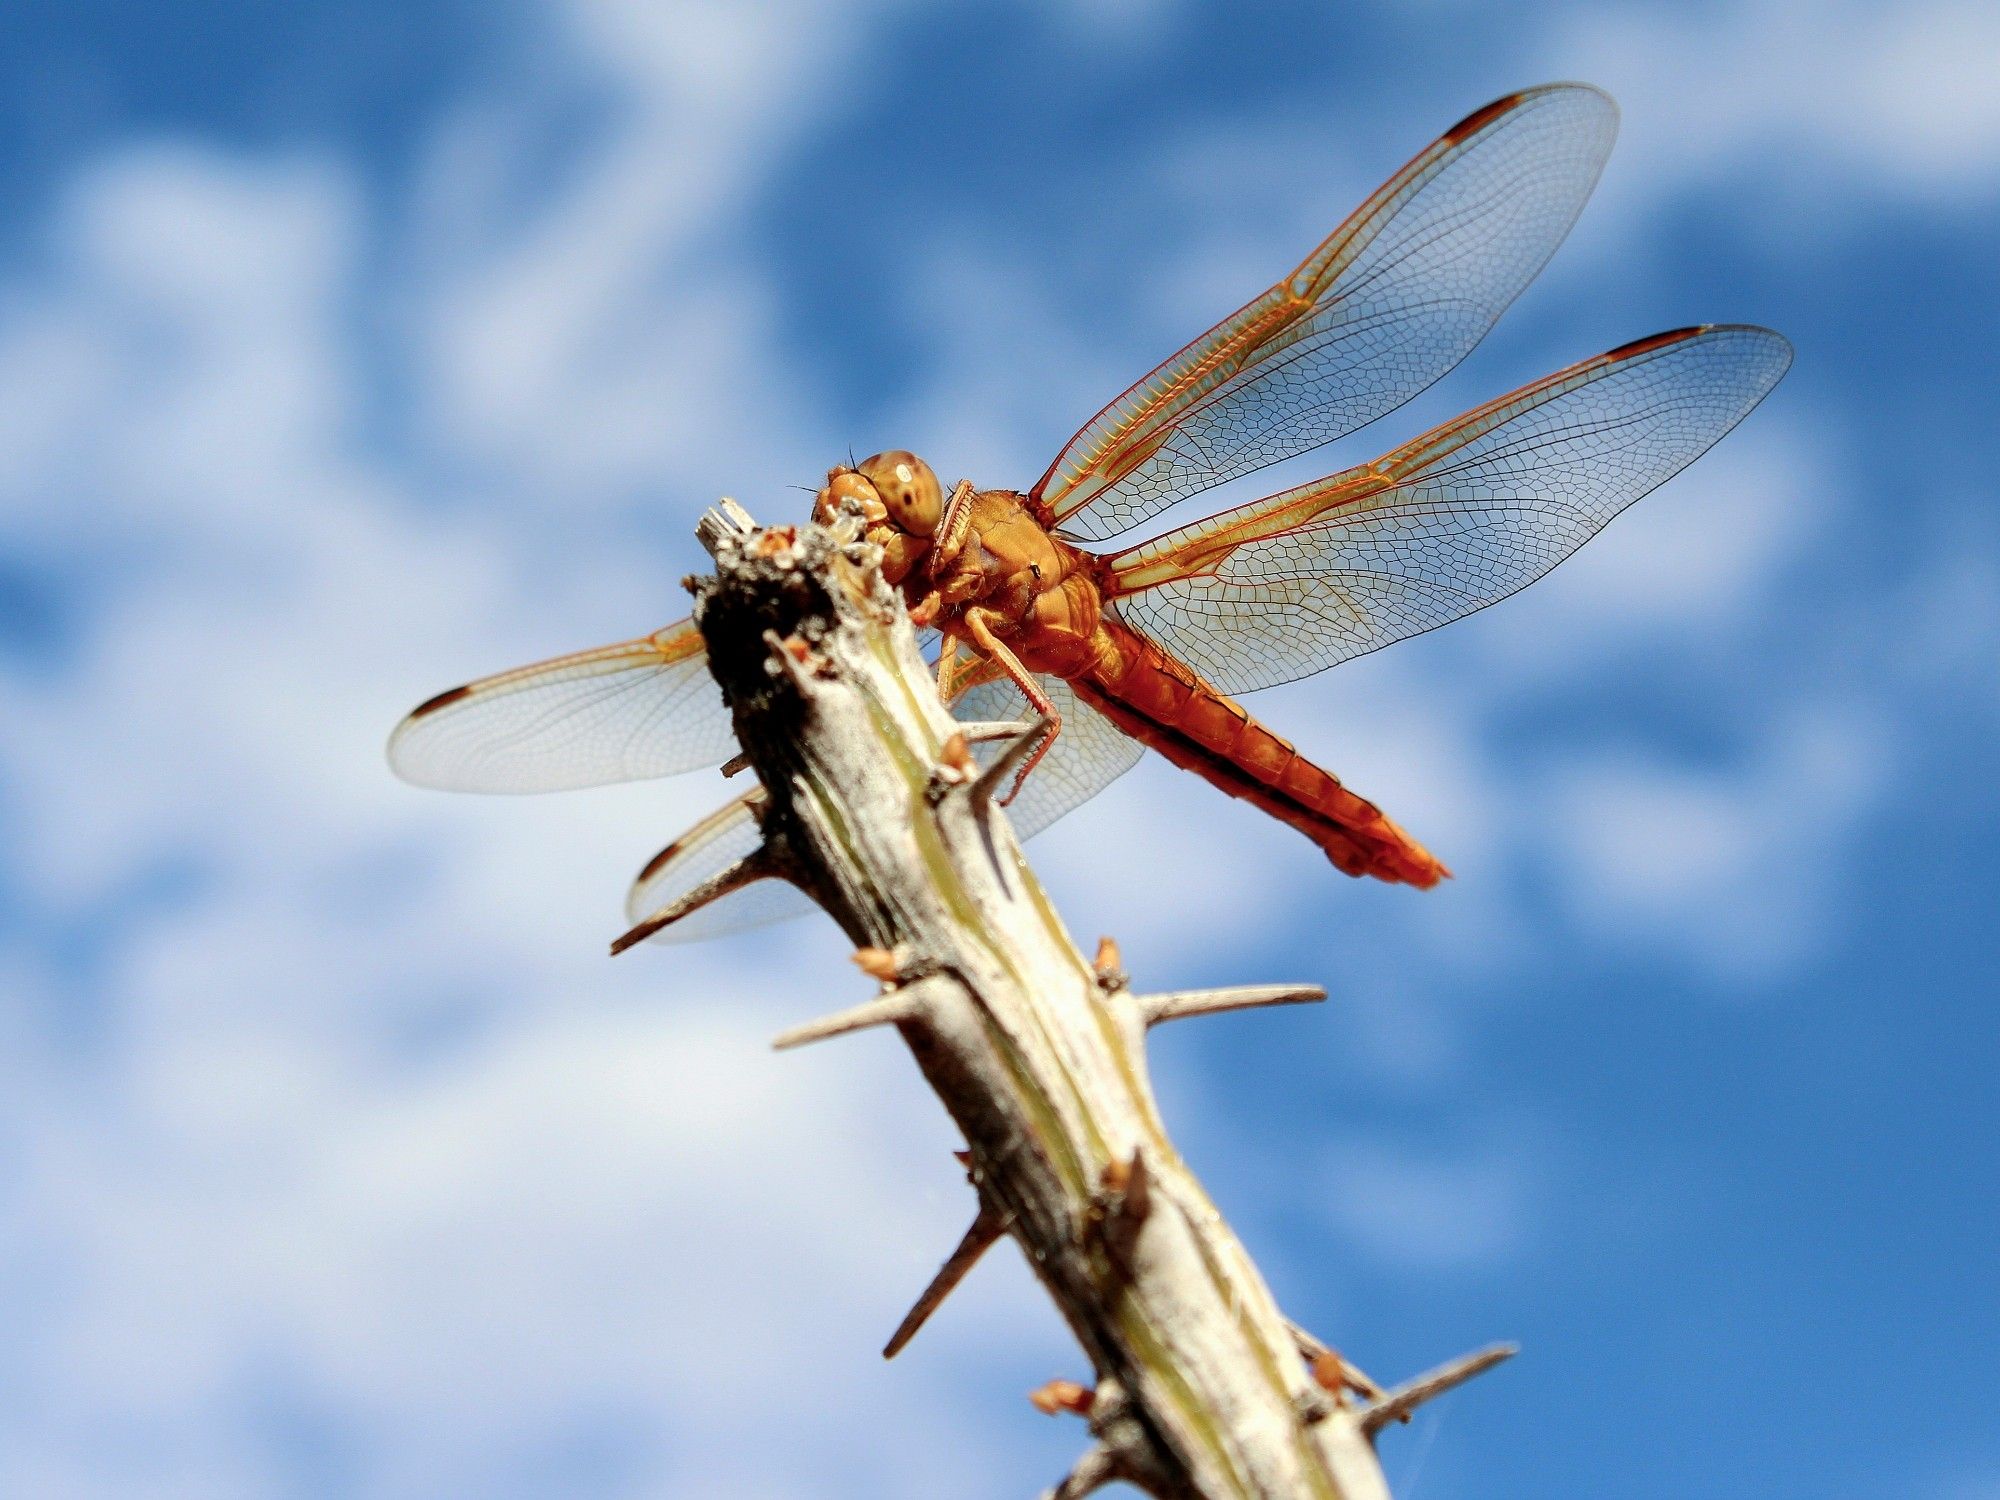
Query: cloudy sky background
{"x":347,"y":352}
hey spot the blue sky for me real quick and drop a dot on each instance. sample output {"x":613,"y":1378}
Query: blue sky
{"x":346,"y":352}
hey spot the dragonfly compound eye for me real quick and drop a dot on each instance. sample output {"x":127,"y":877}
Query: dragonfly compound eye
{"x":908,"y":488}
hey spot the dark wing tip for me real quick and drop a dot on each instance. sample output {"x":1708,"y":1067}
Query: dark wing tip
{"x":658,"y":862}
{"x":1658,"y":341}
{"x":1486,"y":114}
{"x":442,"y":700}
{"x":1482,"y":117}
{"x":1779,"y":344}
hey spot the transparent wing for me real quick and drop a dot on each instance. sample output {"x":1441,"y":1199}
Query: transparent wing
{"x":1089,"y":756}
{"x":620,"y":713}
{"x":1447,"y":524}
{"x":1386,"y":305}
{"x":712,"y":845}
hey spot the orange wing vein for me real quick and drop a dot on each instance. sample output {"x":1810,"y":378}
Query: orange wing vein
{"x":1447,"y":524}
{"x":1386,"y":305}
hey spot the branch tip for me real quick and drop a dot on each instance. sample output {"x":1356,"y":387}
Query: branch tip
{"x":1062,"y":1395}
{"x":722,"y":525}
{"x":884,"y":964}
{"x":1109,"y":966}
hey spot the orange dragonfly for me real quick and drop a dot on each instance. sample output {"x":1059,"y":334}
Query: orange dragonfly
{"x":1144,"y":646}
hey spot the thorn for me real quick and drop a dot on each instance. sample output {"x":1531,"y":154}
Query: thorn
{"x":987,"y":1227}
{"x":981,"y":791}
{"x":737,"y":764}
{"x":963,"y":1158}
{"x":878,"y":963}
{"x":891,"y":1008}
{"x":1313,"y":1349}
{"x":1397,"y":1405}
{"x":1123,"y":1202}
{"x":1062,"y":1395}
{"x":1098,"y":1467}
{"x":761,"y":863}
{"x":980,"y":731}
{"x":1138,"y":1190}
{"x":1178,"y":1004}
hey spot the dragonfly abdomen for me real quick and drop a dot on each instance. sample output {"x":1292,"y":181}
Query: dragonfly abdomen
{"x":1162,"y":704}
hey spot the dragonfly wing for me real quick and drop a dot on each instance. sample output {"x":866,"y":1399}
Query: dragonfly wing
{"x":1386,"y":305}
{"x":1089,"y":754}
{"x":708,"y":848}
{"x":620,"y":713}
{"x":1447,"y":524}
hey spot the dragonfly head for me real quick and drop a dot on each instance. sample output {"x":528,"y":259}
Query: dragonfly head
{"x":894,"y":488}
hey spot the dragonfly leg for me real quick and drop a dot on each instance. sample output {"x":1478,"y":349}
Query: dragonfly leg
{"x":978,"y":623}
{"x":947,"y":666}
{"x":952,"y":529}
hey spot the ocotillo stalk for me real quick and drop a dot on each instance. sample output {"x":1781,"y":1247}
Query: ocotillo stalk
{"x":875,"y":807}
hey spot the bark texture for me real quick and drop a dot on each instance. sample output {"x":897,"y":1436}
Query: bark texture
{"x":879,"y":811}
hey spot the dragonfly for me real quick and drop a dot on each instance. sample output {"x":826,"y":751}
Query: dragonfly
{"x":1149,"y":645}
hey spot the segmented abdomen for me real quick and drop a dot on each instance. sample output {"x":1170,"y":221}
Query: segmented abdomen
{"x":1161,"y":703}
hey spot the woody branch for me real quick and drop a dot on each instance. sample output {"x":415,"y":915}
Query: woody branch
{"x":1200,"y":1387}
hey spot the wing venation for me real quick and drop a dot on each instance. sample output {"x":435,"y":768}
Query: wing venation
{"x":627,"y":712}
{"x":1386,"y":305}
{"x":1459,"y":518}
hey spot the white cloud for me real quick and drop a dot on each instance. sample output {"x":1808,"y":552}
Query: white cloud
{"x":552,"y":350}
{"x":1733,"y":869}
{"x":1898,"y":94}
